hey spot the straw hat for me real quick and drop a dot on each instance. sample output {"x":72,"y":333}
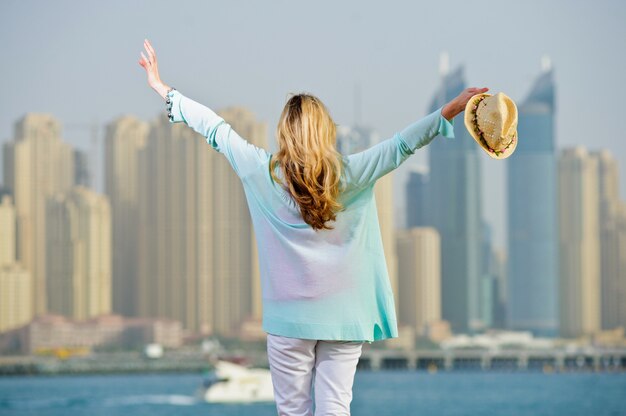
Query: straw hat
{"x":492,"y":122}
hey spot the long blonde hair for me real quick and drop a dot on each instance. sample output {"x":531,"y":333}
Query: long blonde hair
{"x":311,"y":165}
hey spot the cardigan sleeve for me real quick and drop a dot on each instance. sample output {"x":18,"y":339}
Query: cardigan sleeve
{"x":242,"y":155}
{"x":365,"y":168}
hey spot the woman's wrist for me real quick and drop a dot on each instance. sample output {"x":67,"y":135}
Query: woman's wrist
{"x":161,"y":89}
{"x":451,"y":110}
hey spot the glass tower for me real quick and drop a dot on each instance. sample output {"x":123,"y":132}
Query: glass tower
{"x":532,"y":219}
{"x":454,"y":209}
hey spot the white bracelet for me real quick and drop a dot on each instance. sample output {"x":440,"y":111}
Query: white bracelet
{"x":168,"y":102}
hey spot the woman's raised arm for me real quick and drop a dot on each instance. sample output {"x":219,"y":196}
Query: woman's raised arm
{"x":243,"y":156}
{"x":366,"y":167}
{"x":150,"y":64}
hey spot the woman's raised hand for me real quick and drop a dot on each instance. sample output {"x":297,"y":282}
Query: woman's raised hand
{"x":151,"y":66}
{"x":457,"y":105}
{"x":468,"y":93}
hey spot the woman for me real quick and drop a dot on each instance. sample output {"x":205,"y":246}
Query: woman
{"x":324,"y":280}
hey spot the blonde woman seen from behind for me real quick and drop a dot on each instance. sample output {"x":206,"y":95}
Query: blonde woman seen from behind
{"x":324,"y":280}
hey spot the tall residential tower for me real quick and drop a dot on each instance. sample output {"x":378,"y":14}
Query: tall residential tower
{"x":532,"y":215}
{"x":454,"y":209}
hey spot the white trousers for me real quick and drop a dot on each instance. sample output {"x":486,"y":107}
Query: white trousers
{"x":306,"y":371}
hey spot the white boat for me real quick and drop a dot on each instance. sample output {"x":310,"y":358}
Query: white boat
{"x":232,"y":383}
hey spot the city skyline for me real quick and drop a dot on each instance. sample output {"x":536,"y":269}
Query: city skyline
{"x":362,"y":40}
{"x":158,"y":190}
{"x":229,"y":300}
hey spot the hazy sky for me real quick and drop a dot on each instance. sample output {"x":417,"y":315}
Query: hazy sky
{"x":78,"y":61}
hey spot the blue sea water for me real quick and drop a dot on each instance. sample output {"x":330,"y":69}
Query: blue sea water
{"x":375,"y":393}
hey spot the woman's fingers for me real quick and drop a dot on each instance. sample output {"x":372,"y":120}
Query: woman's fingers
{"x":150,"y":50}
{"x":149,"y":45}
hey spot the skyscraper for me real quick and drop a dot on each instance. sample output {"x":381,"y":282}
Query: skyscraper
{"x":37,"y":164}
{"x":125,"y":137}
{"x":7,"y":229}
{"x":416,"y":198}
{"x":532,"y":215}
{"x":175,"y":245}
{"x":454,"y":209}
{"x":82,"y":175}
{"x":15,"y":282}
{"x":419,"y":277}
{"x":78,"y":254}
{"x":489,"y":296}
{"x":237,"y":279}
{"x":612,"y":242}
{"x":355,"y":139}
{"x":198,"y":261}
{"x":579,"y":243}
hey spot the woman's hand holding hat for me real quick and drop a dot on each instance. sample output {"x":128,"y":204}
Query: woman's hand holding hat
{"x":457,"y":105}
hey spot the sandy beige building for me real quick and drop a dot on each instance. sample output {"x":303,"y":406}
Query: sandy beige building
{"x":125,"y":136}
{"x":197,"y":258}
{"x":37,"y":164}
{"x":579,"y":243}
{"x":612,"y":242}
{"x":419,"y":277}
{"x":78,"y":229}
{"x":15,"y":282}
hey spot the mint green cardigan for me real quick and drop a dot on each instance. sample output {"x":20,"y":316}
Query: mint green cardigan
{"x":328,"y":284}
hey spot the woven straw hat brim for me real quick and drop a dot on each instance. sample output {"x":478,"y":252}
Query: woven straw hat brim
{"x":469,"y":125}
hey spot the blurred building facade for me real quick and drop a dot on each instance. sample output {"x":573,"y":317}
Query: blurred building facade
{"x":612,"y":228}
{"x":492,"y":298}
{"x":532,"y":215}
{"x":197,"y":256}
{"x":579,"y":243}
{"x":416,"y":198}
{"x":125,"y":137}
{"x":37,"y":164}
{"x":78,"y":255}
{"x":237,"y":296}
{"x":15,"y":281}
{"x":82,"y":173}
{"x":454,"y":209}
{"x":50,"y":332}
{"x":419,"y":277}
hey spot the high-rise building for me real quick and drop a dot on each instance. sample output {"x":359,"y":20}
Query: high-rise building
{"x":7,"y":229}
{"x":419,"y":277}
{"x":416,"y":198}
{"x":78,"y":262}
{"x":37,"y":164}
{"x":498,"y":271}
{"x":532,"y":215}
{"x":16,"y":307}
{"x":454,"y":209}
{"x":237,"y":288}
{"x":489,"y":297}
{"x":579,"y":243}
{"x":620,"y":257}
{"x":175,"y":247}
{"x":82,"y":175}
{"x":15,"y":282}
{"x":125,"y":137}
{"x":613,"y":271}
{"x":355,"y":139}
{"x":198,"y":261}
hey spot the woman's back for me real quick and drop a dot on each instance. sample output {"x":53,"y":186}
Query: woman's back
{"x":323,"y":274}
{"x":327,"y":284}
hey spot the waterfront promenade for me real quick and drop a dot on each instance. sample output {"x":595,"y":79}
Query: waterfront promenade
{"x":547,"y":361}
